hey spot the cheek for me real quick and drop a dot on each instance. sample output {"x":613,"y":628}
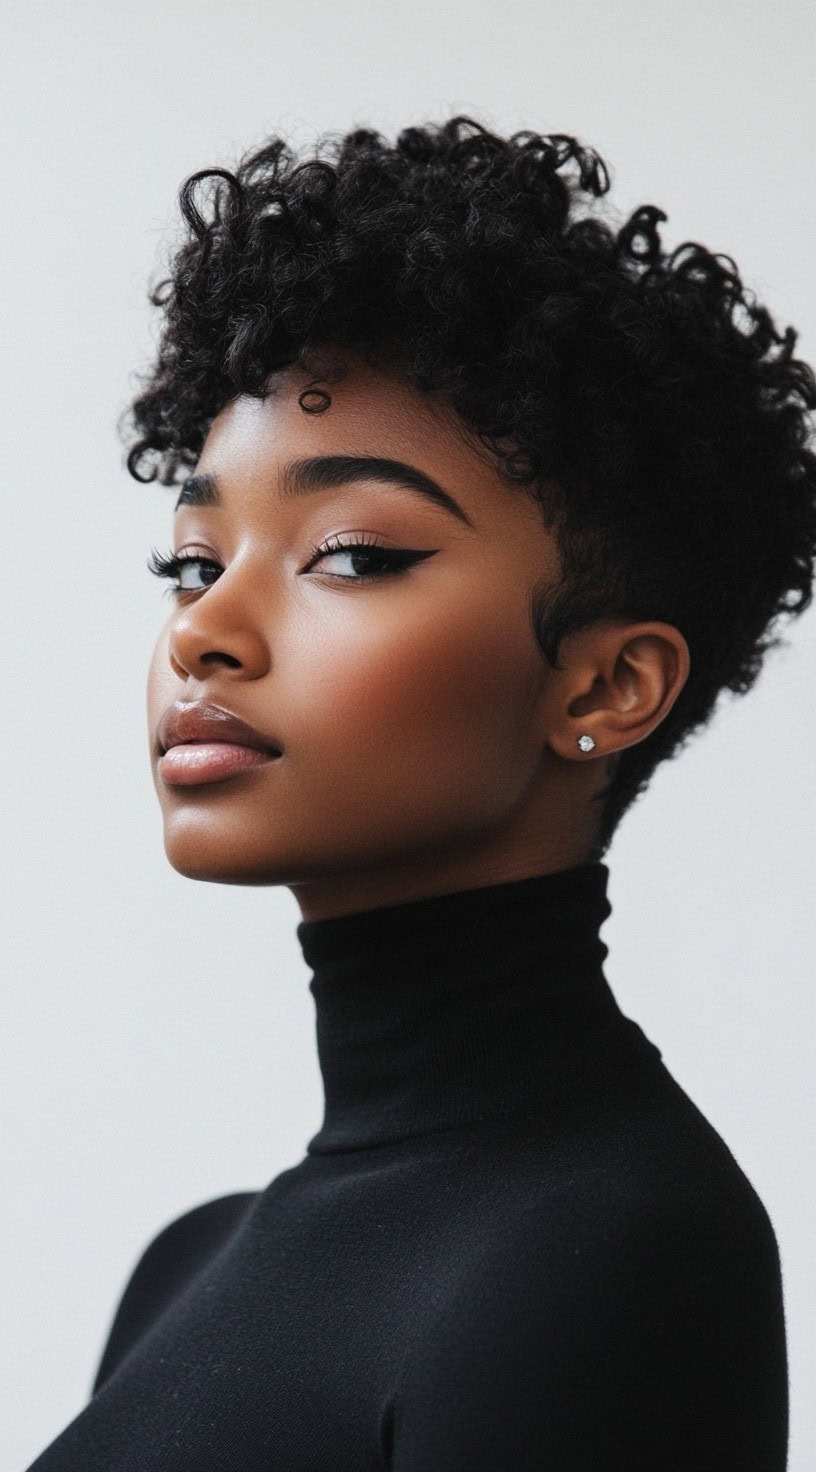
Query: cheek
{"x":433,"y":701}
{"x":162,"y":683}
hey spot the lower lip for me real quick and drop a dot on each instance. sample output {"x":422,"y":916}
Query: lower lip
{"x":194,"y":762}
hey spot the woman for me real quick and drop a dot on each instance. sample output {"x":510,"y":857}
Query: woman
{"x":489,"y":501}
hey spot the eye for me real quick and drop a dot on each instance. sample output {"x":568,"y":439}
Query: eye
{"x":367,"y":557}
{"x":192,"y":573}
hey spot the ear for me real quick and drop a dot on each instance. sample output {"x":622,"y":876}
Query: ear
{"x":618,"y":681}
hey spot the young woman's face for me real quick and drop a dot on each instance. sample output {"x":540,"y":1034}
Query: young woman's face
{"x":405,"y":700}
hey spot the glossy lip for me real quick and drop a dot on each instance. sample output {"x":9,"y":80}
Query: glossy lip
{"x":201,"y":721}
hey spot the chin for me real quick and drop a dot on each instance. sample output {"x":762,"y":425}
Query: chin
{"x":195,"y":866}
{"x":197,"y":850}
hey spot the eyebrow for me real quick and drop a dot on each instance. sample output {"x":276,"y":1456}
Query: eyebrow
{"x":325,"y":472}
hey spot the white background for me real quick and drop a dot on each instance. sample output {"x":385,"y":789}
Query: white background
{"x":157,"y":1034}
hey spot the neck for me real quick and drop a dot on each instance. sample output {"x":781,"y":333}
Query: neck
{"x":516,"y":854}
{"x":445,"y":1010}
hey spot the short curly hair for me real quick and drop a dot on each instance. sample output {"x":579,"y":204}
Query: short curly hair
{"x":646,"y":400}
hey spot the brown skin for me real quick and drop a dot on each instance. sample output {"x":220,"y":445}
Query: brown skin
{"x":427,"y":745}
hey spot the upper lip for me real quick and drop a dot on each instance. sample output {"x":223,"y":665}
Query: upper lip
{"x":201,"y":720}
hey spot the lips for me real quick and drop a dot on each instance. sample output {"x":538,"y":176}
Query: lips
{"x":199,"y":742}
{"x":200,"y":721}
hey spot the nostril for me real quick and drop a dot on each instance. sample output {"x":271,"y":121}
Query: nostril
{"x":221,"y":657}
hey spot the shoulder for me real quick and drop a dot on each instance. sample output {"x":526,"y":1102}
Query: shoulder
{"x":642,"y":1161}
{"x":619,"y":1244}
{"x":648,"y":1209}
{"x":626,"y":1309}
{"x":166,"y":1265}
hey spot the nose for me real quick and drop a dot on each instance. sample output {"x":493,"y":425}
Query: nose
{"x":217,"y":630}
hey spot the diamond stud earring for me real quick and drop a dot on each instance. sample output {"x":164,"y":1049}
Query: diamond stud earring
{"x":586,"y":743}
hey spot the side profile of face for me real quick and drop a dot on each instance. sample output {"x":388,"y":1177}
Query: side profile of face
{"x":425,"y":743}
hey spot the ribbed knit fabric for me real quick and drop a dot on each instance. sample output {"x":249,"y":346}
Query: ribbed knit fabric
{"x":514,"y":1243}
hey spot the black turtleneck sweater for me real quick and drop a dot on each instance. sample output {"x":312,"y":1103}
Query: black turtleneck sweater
{"x":515,"y":1243}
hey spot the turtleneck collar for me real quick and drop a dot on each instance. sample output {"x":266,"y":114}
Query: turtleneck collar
{"x":447,"y":1010}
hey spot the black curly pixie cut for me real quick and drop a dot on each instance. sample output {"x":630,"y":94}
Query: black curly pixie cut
{"x":646,"y":400}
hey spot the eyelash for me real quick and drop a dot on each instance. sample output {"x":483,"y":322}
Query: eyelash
{"x":397,"y":560}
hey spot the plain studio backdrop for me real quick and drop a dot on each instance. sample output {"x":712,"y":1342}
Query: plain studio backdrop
{"x":158,"y":1034}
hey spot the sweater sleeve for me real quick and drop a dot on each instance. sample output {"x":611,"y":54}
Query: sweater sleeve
{"x":660,"y":1344}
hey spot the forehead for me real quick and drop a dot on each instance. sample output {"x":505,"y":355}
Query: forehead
{"x":368,"y":410}
{"x":371,"y":413}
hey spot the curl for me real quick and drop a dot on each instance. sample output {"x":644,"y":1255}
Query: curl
{"x":314,"y":400}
